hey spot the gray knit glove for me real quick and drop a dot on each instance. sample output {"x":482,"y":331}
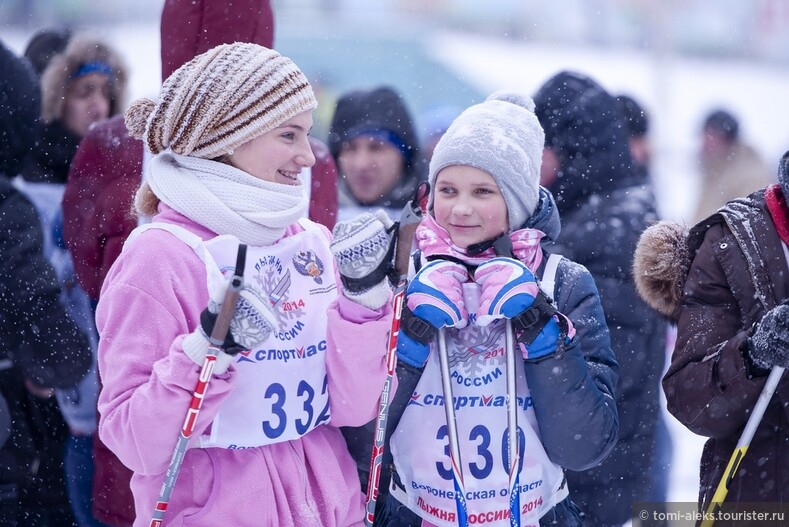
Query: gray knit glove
{"x":364,"y":248}
{"x":769,"y":344}
{"x":252,"y":323}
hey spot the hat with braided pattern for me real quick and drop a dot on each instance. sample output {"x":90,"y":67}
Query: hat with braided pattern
{"x":220,"y":100}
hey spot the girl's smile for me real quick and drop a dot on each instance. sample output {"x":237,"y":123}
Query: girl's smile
{"x":469,"y":205}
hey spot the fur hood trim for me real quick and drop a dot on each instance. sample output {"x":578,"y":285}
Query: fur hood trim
{"x":660,"y":266}
{"x":82,"y":49}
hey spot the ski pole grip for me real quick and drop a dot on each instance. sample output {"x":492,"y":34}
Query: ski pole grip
{"x":228,"y":308}
{"x":405,"y":237}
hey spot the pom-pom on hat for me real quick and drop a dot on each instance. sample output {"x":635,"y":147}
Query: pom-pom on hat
{"x":220,"y":100}
{"x":502,"y":137}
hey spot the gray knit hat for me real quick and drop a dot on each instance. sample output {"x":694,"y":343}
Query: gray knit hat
{"x":502,"y":137}
{"x":220,"y":100}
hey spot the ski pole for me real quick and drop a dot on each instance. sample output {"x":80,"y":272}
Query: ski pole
{"x":216,"y":340}
{"x":409,"y":220}
{"x":742,"y":445}
{"x":512,"y":426}
{"x":503,"y":247}
{"x":452,"y":432}
{"x":376,"y":460}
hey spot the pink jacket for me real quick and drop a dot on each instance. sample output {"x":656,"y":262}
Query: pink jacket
{"x":151,"y":299}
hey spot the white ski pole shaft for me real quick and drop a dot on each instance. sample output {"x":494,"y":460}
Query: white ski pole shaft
{"x":452,"y":431}
{"x":742,"y":445}
{"x":512,"y":425}
{"x":503,"y":247}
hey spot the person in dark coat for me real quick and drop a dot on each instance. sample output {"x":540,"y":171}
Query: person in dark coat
{"x":726,"y":284}
{"x":637,"y":125}
{"x":605,"y":203}
{"x":82,"y":84}
{"x":5,"y":421}
{"x":42,"y":347}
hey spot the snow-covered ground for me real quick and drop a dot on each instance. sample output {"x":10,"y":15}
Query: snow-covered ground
{"x":677,"y":92}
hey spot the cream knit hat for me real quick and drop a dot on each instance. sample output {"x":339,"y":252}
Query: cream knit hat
{"x":220,"y":100}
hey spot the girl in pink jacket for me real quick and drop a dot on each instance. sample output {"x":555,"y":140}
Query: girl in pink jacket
{"x":230,"y":137}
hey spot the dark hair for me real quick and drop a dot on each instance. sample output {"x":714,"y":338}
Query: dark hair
{"x":634,"y":115}
{"x":374,"y":110}
{"x":723,"y":122}
{"x":20,"y":105}
{"x":44,"y":45}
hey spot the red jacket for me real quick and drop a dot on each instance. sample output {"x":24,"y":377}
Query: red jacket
{"x":191,"y":27}
{"x":107,"y":170}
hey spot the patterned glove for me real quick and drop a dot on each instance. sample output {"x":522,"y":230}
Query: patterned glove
{"x":508,"y":289}
{"x":252,"y":323}
{"x":435,"y":294}
{"x":769,"y":344}
{"x":363,"y":248}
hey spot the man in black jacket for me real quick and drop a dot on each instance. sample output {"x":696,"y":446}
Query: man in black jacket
{"x":42,"y":347}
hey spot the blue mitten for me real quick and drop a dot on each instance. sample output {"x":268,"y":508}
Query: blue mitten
{"x":411,"y":351}
{"x":545,"y":343}
{"x":508,"y":289}
{"x":436,"y":296}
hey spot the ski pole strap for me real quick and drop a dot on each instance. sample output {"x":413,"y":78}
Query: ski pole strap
{"x":229,"y":345}
{"x":415,"y":327}
{"x":208,"y":320}
{"x":528,"y":324}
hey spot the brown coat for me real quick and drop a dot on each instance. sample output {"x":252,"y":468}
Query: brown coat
{"x":737,"y":272}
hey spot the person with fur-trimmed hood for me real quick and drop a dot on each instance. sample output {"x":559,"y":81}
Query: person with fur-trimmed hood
{"x":605,"y":203}
{"x":725,"y":283}
{"x":81,"y":85}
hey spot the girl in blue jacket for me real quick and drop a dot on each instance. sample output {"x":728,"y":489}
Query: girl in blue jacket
{"x":485,"y":180}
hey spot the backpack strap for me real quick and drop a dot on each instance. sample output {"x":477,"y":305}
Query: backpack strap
{"x":548,"y":279}
{"x":531,"y":322}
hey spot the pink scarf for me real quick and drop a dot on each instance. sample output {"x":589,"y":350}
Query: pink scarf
{"x":432,"y":240}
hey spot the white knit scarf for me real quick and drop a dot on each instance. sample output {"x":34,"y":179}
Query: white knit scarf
{"x":225,"y":199}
